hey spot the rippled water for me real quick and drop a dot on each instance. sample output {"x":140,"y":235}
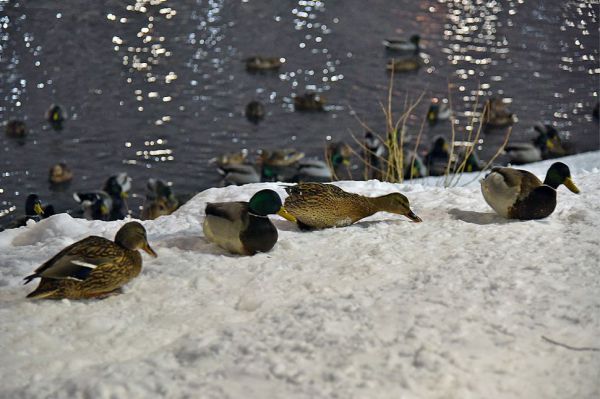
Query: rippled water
{"x":157,"y":88}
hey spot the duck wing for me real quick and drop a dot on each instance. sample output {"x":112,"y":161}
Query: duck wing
{"x":231,"y":211}
{"x":78,"y":260}
{"x":539,"y":204}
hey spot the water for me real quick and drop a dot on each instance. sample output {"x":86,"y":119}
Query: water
{"x":158,"y":88}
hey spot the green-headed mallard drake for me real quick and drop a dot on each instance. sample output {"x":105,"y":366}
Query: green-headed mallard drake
{"x":95,"y":205}
{"x":406,"y":64}
{"x":34,"y":210}
{"x":438,"y":111}
{"x":259,"y":63}
{"x":546,"y":145}
{"x":56,"y":116}
{"x":518,"y":194}
{"x":255,"y":111}
{"x":436,"y":160}
{"x":117,"y":187}
{"x":242,"y":227}
{"x":60,"y":173}
{"x":319,"y":206}
{"x":403,"y":45}
{"x":93,"y":267}
{"x":16,"y":129}
{"x":309,"y":102}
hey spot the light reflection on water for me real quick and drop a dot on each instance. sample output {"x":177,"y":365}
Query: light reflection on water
{"x":157,"y":88}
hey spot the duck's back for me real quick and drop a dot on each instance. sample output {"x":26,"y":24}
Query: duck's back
{"x":224,"y":222}
{"x":325,"y":205}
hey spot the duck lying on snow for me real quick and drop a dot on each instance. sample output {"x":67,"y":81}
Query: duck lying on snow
{"x":518,"y":194}
{"x":319,"y":206}
{"x":242,"y":227}
{"x":93,"y":267}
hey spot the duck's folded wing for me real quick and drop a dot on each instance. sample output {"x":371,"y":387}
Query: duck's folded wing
{"x":227,"y":210}
{"x":77,"y":261}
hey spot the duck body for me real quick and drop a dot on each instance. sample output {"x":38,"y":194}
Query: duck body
{"x":259,"y":63}
{"x":309,"y":102}
{"x":497,"y":115}
{"x":16,"y":129}
{"x":60,"y":174}
{"x":34,"y":210}
{"x":319,"y":206}
{"x":243,"y":228}
{"x":56,"y":116}
{"x":160,"y":200}
{"x":255,"y":111}
{"x":438,"y":111}
{"x":403,"y":45}
{"x":436,"y":160}
{"x":117,"y":187}
{"x":407,"y":64}
{"x":239,"y":174}
{"x":519,"y":194}
{"x":93,"y":267}
{"x":95,"y":205}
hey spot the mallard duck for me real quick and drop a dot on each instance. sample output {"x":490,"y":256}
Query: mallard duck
{"x":280,"y":157}
{"x":117,"y":187}
{"x":239,"y":174}
{"x":436,"y":160}
{"x":95,"y":205}
{"x":56,"y":116}
{"x":339,"y":154}
{"x":160,"y":200}
{"x":518,"y":194}
{"x":309,"y":102}
{"x":241,"y":227}
{"x":546,"y":145}
{"x":60,"y":173}
{"x":34,"y":210}
{"x":406,"y":64}
{"x":311,"y":170}
{"x":259,"y":63}
{"x":319,"y":206}
{"x":438,"y":111}
{"x":16,"y":129}
{"x":93,"y":267}
{"x":374,"y":155}
{"x":414,"y":167}
{"x":496,"y":114}
{"x":255,"y":111}
{"x":403,"y":45}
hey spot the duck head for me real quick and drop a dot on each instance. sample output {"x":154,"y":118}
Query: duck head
{"x":397,"y":203}
{"x":118,"y":186}
{"x":33,"y":206}
{"x":558,"y":174}
{"x":267,"y":202}
{"x":133,"y":236}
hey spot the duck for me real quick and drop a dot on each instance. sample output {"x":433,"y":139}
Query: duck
{"x":60,"y":173}
{"x":278,"y":164}
{"x":160,"y":200}
{"x":338,"y":153}
{"x":260,"y":63}
{"x":546,"y":145}
{"x":438,"y":111}
{"x":34,"y":210}
{"x":596,"y":110}
{"x":117,"y":187}
{"x":56,"y":115}
{"x":244,"y":228}
{"x":309,"y":102}
{"x":496,"y":114}
{"x":374,"y":154}
{"x":437,"y":158}
{"x":403,"y":45}
{"x":406,"y":64}
{"x":255,"y":111}
{"x":94,"y":267}
{"x":414,"y":167}
{"x":95,"y":205}
{"x":519,"y":194}
{"x":16,"y":128}
{"x":320,"y":206}
{"x":311,"y":170}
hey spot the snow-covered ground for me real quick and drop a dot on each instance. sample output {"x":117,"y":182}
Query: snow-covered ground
{"x":463,"y":305}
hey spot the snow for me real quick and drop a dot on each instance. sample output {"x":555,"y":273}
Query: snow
{"x":454,"y":307}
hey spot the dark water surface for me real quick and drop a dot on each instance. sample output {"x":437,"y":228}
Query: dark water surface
{"x":157,"y":88}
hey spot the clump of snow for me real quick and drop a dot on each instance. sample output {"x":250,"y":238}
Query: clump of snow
{"x":454,"y":307}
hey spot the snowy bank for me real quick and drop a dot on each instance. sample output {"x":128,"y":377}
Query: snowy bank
{"x":454,"y":307}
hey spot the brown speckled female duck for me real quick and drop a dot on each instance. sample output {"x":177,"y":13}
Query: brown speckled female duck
{"x":318,"y":206}
{"x":93,"y":267}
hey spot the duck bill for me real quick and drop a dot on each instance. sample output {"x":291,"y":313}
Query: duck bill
{"x":149,"y":250}
{"x":411,"y":215}
{"x":37,"y":208}
{"x":286,"y":215}
{"x":571,"y":186}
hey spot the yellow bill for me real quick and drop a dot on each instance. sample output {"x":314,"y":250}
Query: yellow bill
{"x":286,"y":215}
{"x":570,"y":185}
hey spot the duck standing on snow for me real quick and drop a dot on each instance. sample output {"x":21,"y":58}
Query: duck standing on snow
{"x":242,"y":227}
{"x":93,"y":267}
{"x":518,"y":194}
{"x":319,"y":206}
